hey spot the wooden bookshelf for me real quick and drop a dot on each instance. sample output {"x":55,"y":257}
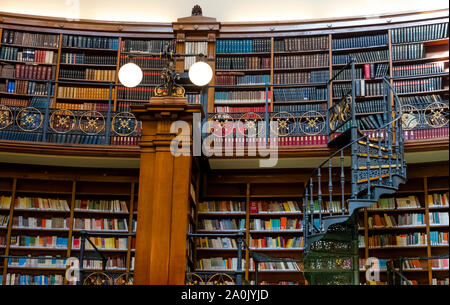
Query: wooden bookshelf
{"x":70,"y":188}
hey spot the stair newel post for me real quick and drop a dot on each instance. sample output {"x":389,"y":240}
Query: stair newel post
{"x":330,"y":187}
{"x":390,"y":132}
{"x":81,"y":259}
{"x":354,"y":135}
{"x":266,"y":116}
{"x":311,"y":205}
{"x":342,"y":182}
{"x":368,"y":167}
{"x":319,"y":197}
{"x":240,"y":241}
{"x":108,"y":116}
{"x":47,"y":112}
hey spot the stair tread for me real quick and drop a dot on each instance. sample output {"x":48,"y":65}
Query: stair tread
{"x":373,"y":145}
{"x":376,"y":156}
{"x":377,"y":166}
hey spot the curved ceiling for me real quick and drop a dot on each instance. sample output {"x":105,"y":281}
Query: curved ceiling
{"x":223,"y":10}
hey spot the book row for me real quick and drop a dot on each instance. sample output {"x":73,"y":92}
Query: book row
{"x":37,"y":262}
{"x":428,"y":84}
{"x":228,"y":109}
{"x":301,"y":61}
{"x":282,"y":223}
{"x":303,"y":107}
{"x":408,"y":51}
{"x":360,"y":57}
{"x":260,"y":207}
{"x":126,"y":106}
{"x":438,"y":199}
{"x":420,"y":101}
{"x":360,"y":41}
{"x":422,"y":69}
{"x":94,"y":42}
{"x":100,"y":224}
{"x":362,"y":88}
{"x":84,"y":93}
{"x":409,"y":239}
{"x":219,"y":263}
{"x":217,"y":243}
{"x":420,"y":33}
{"x":41,"y":223}
{"x":77,"y":139}
{"x":325,"y":206}
{"x":196,"y":47}
{"x":189,"y":61}
{"x":88,"y":74}
{"x":242,"y":63}
{"x":28,"y":72}
{"x":36,"y":203}
{"x":222,"y":79}
{"x":438,"y":218}
{"x":146,"y":46}
{"x":396,"y":203}
{"x":241,"y":97}
{"x":301,"y":77}
{"x":82,"y":106}
{"x":26,"y":279}
{"x":369,"y":71}
{"x":370,"y":106}
{"x":301,"y":44}
{"x":221,"y":224}
{"x":144,"y":62}
{"x":101,"y":205}
{"x":221,"y":206}
{"x":276,"y":242}
{"x":25,"y":87}
{"x":103,"y":243}
{"x":438,"y":238}
{"x":28,"y":55}
{"x":30,"y":39}
{"x":243,"y":46}
{"x":142,"y":94}
{"x":113,"y":262}
{"x":125,"y":141}
{"x":389,"y":221}
{"x":299,"y":94}
{"x":81,"y":58}
{"x":4,"y":220}
{"x":38,"y":241}
{"x":291,"y":266}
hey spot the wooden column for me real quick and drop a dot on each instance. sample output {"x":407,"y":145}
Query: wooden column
{"x":163,"y":193}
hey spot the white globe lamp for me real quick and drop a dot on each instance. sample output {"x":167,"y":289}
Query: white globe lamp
{"x":200,"y":73}
{"x":130,"y":75}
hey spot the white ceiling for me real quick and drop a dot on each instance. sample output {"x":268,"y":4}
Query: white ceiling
{"x":223,"y":10}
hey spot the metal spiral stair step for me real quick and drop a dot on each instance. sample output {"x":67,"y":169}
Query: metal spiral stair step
{"x":364,"y":143}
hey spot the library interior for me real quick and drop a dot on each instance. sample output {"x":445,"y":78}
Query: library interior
{"x":224,"y":142}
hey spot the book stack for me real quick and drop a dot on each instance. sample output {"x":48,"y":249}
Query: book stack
{"x":4,"y":221}
{"x":5,"y":202}
{"x":301,"y":44}
{"x":82,"y":106}
{"x":194,"y":47}
{"x":413,"y":264}
{"x":30,"y":39}
{"x":46,"y":261}
{"x":20,"y":102}
{"x":438,"y":218}
{"x":383,"y":204}
{"x":402,"y":240}
{"x":278,"y":242}
{"x":302,"y":107}
{"x":374,"y":105}
{"x":443,"y":281}
{"x":90,"y":42}
{"x":439,"y":263}
{"x":407,"y":51}
{"x":439,"y":238}
{"x":300,"y":61}
{"x":407,"y":202}
{"x":26,"y":87}
{"x":438,"y":199}
{"x":113,"y":262}
{"x":88,"y":74}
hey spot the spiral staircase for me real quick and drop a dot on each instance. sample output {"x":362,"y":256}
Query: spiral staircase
{"x":377,"y":168}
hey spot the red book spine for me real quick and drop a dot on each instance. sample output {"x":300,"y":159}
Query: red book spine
{"x":366,"y":71}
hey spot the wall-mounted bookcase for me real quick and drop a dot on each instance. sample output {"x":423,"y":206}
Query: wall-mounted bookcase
{"x":47,"y":215}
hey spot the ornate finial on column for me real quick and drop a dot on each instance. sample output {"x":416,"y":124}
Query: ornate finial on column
{"x":196,"y":10}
